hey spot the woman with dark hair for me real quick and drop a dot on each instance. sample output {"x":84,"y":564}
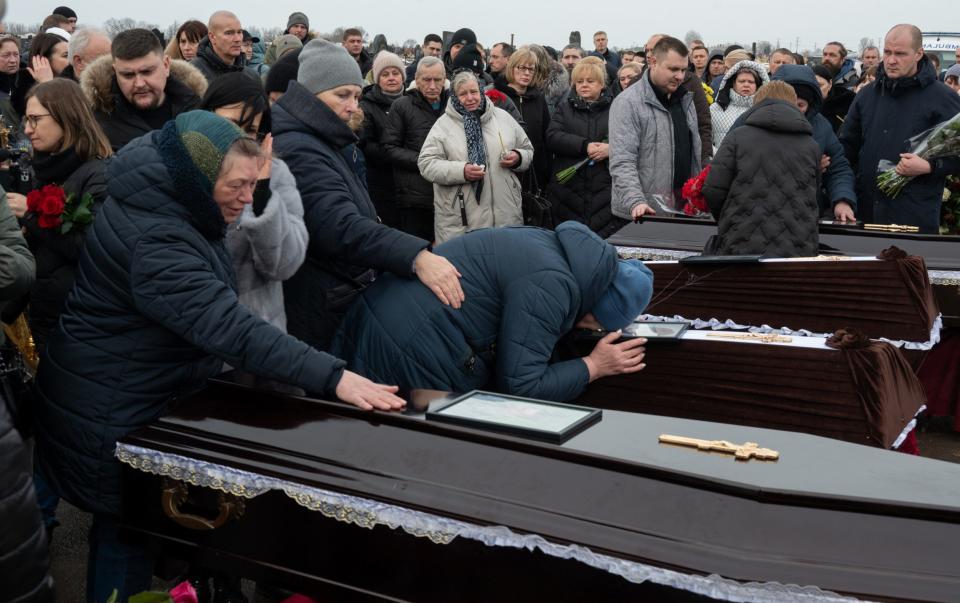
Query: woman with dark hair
{"x":268,"y":242}
{"x":48,"y":58}
{"x":183,"y":46}
{"x":153,"y":315}
{"x":69,"y":150}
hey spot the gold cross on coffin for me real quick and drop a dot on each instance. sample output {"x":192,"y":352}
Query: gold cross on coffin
{"x":744,"y":452}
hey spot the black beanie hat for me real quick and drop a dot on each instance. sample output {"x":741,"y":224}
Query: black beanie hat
{"x":469,"y":58}
{"x":65,"y":11}
{"x":464,"y":36}
{"x":824,"y":72}
{"x":284,"y":70}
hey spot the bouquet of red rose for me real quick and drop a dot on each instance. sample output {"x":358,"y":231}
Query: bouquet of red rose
{"x":55,"y":208}
{"x":692,"y":191}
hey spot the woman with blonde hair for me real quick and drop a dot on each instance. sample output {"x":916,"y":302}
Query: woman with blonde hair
{"x":471,"y":156}
{"x":629,"y":74}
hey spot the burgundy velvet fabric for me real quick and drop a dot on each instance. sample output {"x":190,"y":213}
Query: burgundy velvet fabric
{"x":865,"y":395}
{"x":891,"y":299}
{"x":940,"y":375}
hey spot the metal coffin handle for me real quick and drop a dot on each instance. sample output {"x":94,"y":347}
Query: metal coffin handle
{"x":175,"y":494}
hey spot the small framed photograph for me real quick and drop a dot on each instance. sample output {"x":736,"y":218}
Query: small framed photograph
{"x":525,"y":417}
{"x":656,"y":331}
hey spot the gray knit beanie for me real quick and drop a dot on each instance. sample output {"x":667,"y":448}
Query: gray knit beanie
{"x":298,"y":18}
{"x":324,"y":66}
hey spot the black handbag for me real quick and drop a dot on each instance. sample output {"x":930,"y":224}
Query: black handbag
{"x":537,"y":209}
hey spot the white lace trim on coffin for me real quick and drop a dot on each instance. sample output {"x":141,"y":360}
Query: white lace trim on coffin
{"x":442,"y":530}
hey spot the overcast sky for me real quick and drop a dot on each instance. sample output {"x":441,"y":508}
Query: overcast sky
{"x":627,"y":23}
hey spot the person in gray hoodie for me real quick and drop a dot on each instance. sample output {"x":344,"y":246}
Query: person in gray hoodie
{"x":654,"y":137}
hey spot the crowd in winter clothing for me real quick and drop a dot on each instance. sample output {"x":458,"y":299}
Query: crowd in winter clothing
{"x":336,"y":218}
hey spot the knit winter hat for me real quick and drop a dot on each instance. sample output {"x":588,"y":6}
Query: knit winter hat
{"x":469,"y":58}
{"x":287,"y":42}
{"x":954,"y":71}
{"x":298,"y":18}
{"x":386,"y":59}
{"x":206,"y":137}
{"x":284,"y":70}
{"x":464,"y":36}
{"x":64,"y":11}
{"x":626,"y":297}
{"x":823,"y":72}
{"x":324,"y":66}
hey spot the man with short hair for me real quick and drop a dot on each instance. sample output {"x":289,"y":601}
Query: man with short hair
{"x":570,"y":56}
{"x":780,"y":56}
{"x":85,"y":46}
{"x":248,"y":41}
{"x":221,"y":52}
{"x":56,"y":24}
{"x":353,"y":41}
{"x":410,"y":120}
{"x":905,"y":100}
{"x":137,"y":89}
{"x":601,"y":50}
{"x":70,"y":25}
{"x":432,"y":47}
{"x":870,"y":57}
{"x":627,"y":56}
{"x":654,"y":139}
{"x":844,"y":70}
{"x":698,"y":59}
{"x":299,"y":25}
{"x":500,"y":53}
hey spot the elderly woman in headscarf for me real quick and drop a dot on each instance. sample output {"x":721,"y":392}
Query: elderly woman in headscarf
{"x":735,"y":96}
{"x":472,"y":156}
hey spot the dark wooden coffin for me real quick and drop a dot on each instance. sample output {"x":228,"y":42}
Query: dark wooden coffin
{"x":867,"y":395}
{"x":941,"y":254}
{"x":683,"y":525}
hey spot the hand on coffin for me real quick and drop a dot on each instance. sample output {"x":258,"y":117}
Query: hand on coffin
{"x":367,"y":395}
{"x":842,"y":212}
{"x":440,"y":276}
{"x":641,"y":209}
{"x":609,"y":358}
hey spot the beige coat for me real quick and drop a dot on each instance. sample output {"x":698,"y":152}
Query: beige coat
{"x":443,"y":157}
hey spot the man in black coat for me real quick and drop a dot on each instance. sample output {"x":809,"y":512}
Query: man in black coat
{"x":221,"y":51}
{"x":905,"y":100}
{"x":408,"y":124}
{"x":137,"y":89}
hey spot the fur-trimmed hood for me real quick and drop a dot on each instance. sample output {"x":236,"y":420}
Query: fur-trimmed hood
{"x":726,"y":94}
{"x":98,"y":82}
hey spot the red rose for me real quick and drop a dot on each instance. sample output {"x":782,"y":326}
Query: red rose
{"x":47,"y":221}
{"x":33,"y":201}
{"x":51,"y":205}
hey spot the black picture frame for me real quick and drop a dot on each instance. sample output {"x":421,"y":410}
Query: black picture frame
{"x":668,"y":330}
{"x":554,"y":435}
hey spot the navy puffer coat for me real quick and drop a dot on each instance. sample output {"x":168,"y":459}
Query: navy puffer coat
{"x":525,"y":288}
{"x":154,"y":313}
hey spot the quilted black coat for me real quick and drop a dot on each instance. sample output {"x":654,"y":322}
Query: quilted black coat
{"x":407,"y":127}
{"x":376,"y":109}
{"x":585,"y":198}
{"x":154,"y":313}
{"x":763,"y":183}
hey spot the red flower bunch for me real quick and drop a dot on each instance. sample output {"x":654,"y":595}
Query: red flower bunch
{"x":47,"y":203}
{"x":495,"y":95}
{"x":692,"y":191}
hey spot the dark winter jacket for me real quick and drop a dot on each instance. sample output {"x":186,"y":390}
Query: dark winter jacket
{"x":838,"y":181}
{"x":347,"y":242}
{"x":58,"y":254}
{"x":120,"y":120}
{"x":884,"y":115}
{"x":763,"y":183}
{"x":365,"y":61}
{"x":154,"y":313}
{"x":376,"y":109}
{"x":610,"y":57}
{"x":837,"y":105}
{"x":585,"y":198}
{"x":847,"y":77}
{"x":536,"y":120}
{"x":408,"y":124}
{"x":525,"y":288}
{"x":23,"y":539}
{"x":694,"y":85}
{"x":212,"y":66}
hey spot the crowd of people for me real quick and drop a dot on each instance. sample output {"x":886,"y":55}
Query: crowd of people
{"x":330,"y":218}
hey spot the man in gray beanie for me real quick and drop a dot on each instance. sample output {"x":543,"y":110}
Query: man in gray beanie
{"x":299,"y":25}
{"x":349,"y":247}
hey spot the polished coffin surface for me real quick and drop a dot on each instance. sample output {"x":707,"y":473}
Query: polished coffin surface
{"x":827,"y":513}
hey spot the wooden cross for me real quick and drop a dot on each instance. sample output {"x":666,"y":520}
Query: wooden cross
{"x":761,"y":337}
{"x":744,"y":452}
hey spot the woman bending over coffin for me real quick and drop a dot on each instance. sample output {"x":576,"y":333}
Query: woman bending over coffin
{"x":154,"y":313}
{"x":525,"y":288}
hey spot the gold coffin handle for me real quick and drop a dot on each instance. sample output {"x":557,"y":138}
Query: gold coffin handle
{"x":174,"y":494}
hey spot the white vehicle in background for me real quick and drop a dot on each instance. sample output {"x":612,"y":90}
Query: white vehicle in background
{"x":944,"y":44}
